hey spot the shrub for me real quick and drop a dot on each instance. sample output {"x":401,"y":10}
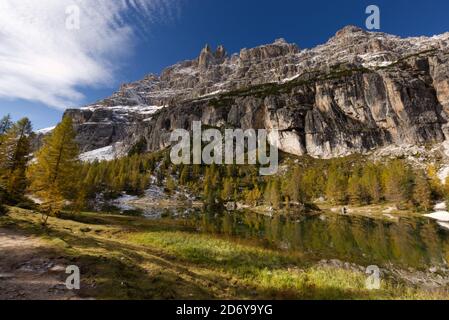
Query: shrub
{"x":26,"y":204}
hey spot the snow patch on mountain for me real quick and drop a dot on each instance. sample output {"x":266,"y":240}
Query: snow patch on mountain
{"x":140,"y":109}
{"x":214,"y":93}
{"x":290,"y":79}
{"x":377,"y":64}
{"x":45,"y":130}
{"x":187,"y":71}
{"x":145,"y":110}
{"x":375,"y":60}
{"x":103,"y":154}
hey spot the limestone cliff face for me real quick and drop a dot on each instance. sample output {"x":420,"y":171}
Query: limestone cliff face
{"x":358,"y":92}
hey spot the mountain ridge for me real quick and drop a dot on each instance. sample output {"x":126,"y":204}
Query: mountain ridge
{"x":357,"y":92}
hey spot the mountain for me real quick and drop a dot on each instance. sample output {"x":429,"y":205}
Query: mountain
{"x":358,"y":92}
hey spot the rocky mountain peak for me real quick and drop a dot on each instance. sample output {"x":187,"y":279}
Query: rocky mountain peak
{"x":349,"y":31}
{"x":220,"y":53}
{"x":208,"y":58}
{"x":280,"y":48}
{"x":280,"y":41}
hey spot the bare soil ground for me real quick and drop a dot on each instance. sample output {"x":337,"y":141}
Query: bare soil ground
{"x":29,"y":270}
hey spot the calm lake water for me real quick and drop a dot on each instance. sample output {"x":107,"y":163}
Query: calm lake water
{"x":408,"y":242}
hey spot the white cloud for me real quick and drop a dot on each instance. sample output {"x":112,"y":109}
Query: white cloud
{"x":42,"y":60}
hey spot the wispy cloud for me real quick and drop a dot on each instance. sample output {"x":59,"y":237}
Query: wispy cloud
{"x":42,"y":60}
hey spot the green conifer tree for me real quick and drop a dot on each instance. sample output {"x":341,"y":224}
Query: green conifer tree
{"x":184,"y":178}
{"x":398,"y":180}
{"x":422,"y":192}
{"x":14,"y":156}
{"x":228,"y":189}
{"x":5,"y":124}
{"x":336,"y":188}
{"x":371,"y":184}
{"x":355,"y":191}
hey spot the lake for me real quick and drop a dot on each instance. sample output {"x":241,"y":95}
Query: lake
{"x":407,"y":242}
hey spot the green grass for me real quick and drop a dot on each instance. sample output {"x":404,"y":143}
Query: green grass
{"x":271,"y":272}
{"x":203,"y":249}
{"x":133,"y":258}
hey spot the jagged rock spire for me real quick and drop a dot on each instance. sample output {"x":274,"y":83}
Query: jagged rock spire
{"x":220,"y":53}
{"x":207,"y":57}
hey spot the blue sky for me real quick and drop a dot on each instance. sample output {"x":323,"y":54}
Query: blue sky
{"x":180,"y":30}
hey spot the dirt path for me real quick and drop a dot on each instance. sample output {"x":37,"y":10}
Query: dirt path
{"x":29,"y":271}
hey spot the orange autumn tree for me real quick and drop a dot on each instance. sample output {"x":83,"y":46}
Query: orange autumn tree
{"x":53,"y":174}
